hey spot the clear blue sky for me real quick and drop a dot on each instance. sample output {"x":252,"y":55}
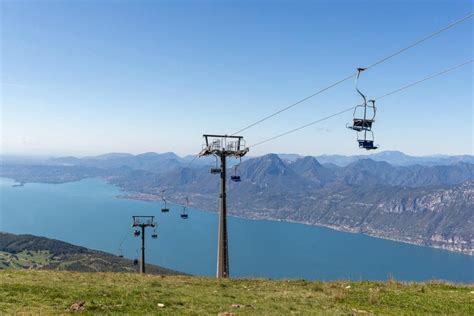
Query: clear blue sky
{"x":89,"y":77}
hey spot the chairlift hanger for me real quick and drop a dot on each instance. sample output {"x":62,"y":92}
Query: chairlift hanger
{"x":184,"y":214}
{"x":362,"y":124}
{"x":235,"y":177}
{"x":216,"y":169}
{"x":165,"y":209}
{"x":135,"y":261}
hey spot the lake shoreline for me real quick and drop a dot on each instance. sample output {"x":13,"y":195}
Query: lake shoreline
{"x":261,"y":247}
{"x":137,"y":196}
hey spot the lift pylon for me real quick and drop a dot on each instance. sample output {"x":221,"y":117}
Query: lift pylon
{"x":143,"y":222}
{"x":223,"y":146}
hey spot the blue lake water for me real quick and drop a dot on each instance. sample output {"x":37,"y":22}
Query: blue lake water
{"x":88,"y":213}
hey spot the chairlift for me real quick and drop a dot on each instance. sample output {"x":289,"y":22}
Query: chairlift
{"x":184,"y":214}
{"x":136,"y":233}
{"x":164,"y":209}
{"x":216,"y":169}
{"x":363,"y":119}
{"x":120,"y":251}
{"x":235,"y":177}
{"x":135,"y":262}
{"x":154,"y":235}
{"x":364,"y":114}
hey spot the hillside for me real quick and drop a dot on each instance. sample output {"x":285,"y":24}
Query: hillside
{"x":425,"y":205}
{"x":52,"y":292}
{"x":32,"y":252}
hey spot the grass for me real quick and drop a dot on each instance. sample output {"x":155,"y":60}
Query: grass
{"x":53,"y":292}
{"x":25,"y":259}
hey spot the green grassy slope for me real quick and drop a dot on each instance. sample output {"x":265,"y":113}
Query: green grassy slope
{"x":33,"y":252}
{"x":48,"y":292}
{"x":26,"y":259}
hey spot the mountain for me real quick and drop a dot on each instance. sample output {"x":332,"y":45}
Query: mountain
{"x":397,"y":158}
{"x":367,"y":171}
{"x":424,"y":204}
{"x":146,"y":161}
{"x":429,"y":205}
{"x":33,"y":252}
{"x":310,"y":168}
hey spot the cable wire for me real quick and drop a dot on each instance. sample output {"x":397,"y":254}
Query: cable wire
{"x":352,"y":107}
{"x":295,"y":104}
{"x":425,"y":79}
{"x":303,"y":126}
{"x":427,"y":37}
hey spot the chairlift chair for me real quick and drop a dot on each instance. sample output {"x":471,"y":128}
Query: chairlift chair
{"x":235,"y":177}
{"x":184,"y":214}
{"x":364,"y":115}
{"x":136,"y":233}
{"x":363,"y":119}
{"x":154,"y":235}
{"x":216,"y":169}
{"x":367,"y":142}
{"x":164,"y":209}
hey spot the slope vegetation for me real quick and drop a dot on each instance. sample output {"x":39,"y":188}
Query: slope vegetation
{"x":32,"y":252}
{"x":53,"y":292}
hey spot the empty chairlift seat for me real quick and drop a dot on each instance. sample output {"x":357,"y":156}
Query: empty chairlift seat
{"x":235,"y":178}
{"x":215,"y":170}
{"x":367,"y":144}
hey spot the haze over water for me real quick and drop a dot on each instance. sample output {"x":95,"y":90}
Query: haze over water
{"x":88,"y":213}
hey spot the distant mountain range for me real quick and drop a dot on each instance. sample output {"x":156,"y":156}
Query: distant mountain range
{"x":164,"y":161}
{"x":395,"y":158}
{"x":421,"y":200}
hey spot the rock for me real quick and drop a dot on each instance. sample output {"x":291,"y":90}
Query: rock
{"x":160,"y":305}
{"x":78,"y":306}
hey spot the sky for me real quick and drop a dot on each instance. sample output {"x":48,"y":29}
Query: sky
{"x":91,"y":77}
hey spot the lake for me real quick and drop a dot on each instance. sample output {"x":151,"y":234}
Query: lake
{"x":88,"y":213}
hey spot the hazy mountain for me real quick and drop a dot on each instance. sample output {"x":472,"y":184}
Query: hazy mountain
{"x":367,"y":171}
{"x":396,"y":158}
{"x":147,"y":161}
